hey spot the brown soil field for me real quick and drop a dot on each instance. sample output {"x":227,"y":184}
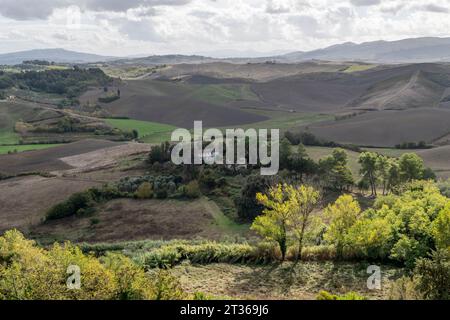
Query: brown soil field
{"x":48,"y":160}
{"x":310,"y":93}
{"x":25,"y":200}
{"x":389,"y":87}
{"x":402,"y":92}
{"x":128,"y":219}
{"x":103,"y":158}
{"x":172,"y":103}
{"x":387,"y":128}
{"x":254,"y":71}
{"x":308,"y":87}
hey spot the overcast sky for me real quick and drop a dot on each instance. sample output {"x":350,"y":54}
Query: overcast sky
{"x":215,"y":27}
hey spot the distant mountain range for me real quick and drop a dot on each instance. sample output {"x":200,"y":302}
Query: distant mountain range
{"x":55,"y":55}
{"x":412,"y":50}
{"x":407,"y":50}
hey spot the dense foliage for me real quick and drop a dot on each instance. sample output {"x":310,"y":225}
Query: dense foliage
{"x":28,"y":272}
{"x":70,"y":82}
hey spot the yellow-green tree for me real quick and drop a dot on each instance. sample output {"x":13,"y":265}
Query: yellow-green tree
{"x":302,"y":200}
{"x":28,"y":272}
{"x":273,"y":223}
{"x":370,"y":237}
{"x":341,"y":215}
{"x":441,"y":228}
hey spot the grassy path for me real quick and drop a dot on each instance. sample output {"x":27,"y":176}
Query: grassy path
{"x":222,"y":221}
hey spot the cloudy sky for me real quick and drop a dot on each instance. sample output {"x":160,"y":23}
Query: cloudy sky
{"x":215,"y":27}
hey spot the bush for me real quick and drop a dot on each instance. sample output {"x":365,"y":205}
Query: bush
{"x":82,"y":203}
{"x":404,"y":289}
{"x":247,"y":206}
{"x":433,"y":275}
{"x":319,"y":253}
{"x":324,"y":295}
{"x":192,"y":190}
{"x":159,"y":154}
{"x":161,"y":194}
{"x":28,"y":272}
{"x":72,"y":206}
{"x":108,"y":99}
{"x":205,"y":253}
{"x":207,"y":179}
{"x":145,"y":191}
{"x":444,"y":187}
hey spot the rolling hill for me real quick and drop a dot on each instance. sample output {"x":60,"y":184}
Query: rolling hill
{"x":55,"y":55}
{"x":387,"y":128}
{"x":413,"y":50}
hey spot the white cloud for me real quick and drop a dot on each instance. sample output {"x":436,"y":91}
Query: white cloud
{"x":117,"y":27}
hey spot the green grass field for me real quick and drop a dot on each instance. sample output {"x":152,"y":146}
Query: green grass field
{"x":395,"y":153}
{"x":26,"y":147}
{"x":8,"y":137}
{"x":223,"y":222}
{"x":149,"y":132}
{"x":317,"y":153}
{"x":359,"y":67}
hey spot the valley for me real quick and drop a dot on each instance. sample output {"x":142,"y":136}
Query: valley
{"x":85,"y":160}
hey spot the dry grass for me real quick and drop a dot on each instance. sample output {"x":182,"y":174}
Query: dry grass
{"x":129,"y":220}
{"x":300,"y":281}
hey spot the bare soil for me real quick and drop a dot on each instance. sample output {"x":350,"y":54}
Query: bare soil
{"x":48,"y":160}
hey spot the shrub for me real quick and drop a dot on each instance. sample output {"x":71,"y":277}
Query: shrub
{"x":433,"y":275}
{"x":71,"y":206}
{"x":319,"y":253}
{"x":167,"y":287}
{"x":444,"y":187}
{"x":207,"y":179}
{"x":205,"y":253}
{"x":145,"y":191}
{"x":108,"y":99}
{"x":161,"y":193}
{"x":82,"y":203}
{"x":247,"y":206}
{"x":404,"y":288}
{"x":28,"y":272}
{"x":192,"y":190}
{"x":324,"y":295}
{"x":159,"y":153}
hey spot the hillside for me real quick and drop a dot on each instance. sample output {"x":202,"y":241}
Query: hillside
{"x":55,"y":55}
{"x":387,"y":128}
{"x":412,"y":50}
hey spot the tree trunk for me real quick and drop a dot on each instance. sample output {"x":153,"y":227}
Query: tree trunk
{"x":283,"y":249}
{"x":282,"y":243}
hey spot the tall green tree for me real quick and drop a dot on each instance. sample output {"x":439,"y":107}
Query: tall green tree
{"x":411,"y":167}
{"x":335,"y":172}
{"x":368,"y":162}
{"x":300,"y":163}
